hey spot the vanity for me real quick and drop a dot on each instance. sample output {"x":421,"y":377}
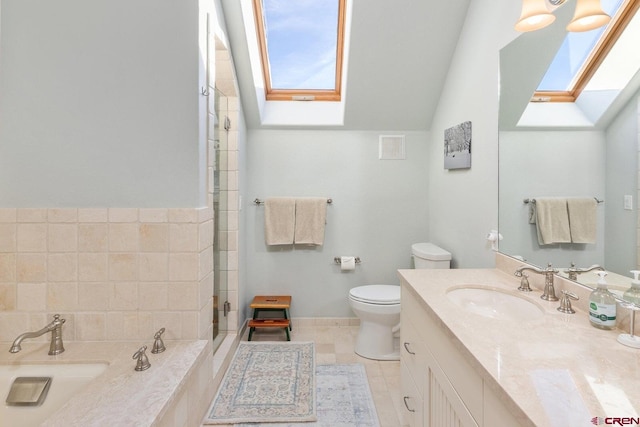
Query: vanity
{"x":464,"y":366}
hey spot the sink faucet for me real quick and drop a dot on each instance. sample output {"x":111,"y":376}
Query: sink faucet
{"x":573,"y":271}
{"x":55,"y":327}
{"x":549,"y":293}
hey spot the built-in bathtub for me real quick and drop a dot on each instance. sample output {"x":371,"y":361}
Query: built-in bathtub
{"x":67,"y":379}
{"x":175,"y":390}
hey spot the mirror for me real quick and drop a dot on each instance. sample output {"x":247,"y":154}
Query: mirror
{"x":567,"y":150}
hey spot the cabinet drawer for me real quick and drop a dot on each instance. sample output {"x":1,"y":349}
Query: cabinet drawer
{"x":412,"y":352}
{"x":412,"y":401}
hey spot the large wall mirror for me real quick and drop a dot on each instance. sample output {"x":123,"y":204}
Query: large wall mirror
{"x":587,"y":148}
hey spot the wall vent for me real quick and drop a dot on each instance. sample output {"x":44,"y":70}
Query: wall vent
{"x":391,"y":147}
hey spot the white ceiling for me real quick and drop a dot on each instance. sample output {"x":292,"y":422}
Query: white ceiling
{"x":399,"y":55}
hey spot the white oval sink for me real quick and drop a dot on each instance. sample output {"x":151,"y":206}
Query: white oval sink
{"x":494,"y":303}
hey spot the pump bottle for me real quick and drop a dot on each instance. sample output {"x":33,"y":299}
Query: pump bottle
{"x":602,"y":305}
{"x":633,"y":293}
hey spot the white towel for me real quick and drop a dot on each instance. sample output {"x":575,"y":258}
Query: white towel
{"x":311,"y":214}
{"x":552,"y":221}
{"x":279,"y":220}
{"x":582,"y":219}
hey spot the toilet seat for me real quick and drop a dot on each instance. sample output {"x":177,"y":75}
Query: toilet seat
{"x":376,"y":294}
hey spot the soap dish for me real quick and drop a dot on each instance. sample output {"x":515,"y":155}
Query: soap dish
{"x":28,"y":391}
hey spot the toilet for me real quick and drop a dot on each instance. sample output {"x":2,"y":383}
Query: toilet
{"x":378,"y":307}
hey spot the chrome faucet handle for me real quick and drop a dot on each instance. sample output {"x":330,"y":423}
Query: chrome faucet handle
{"x":565,"y":302}
{"x":142,"y":359}
{"x":158,"y":344}
{"x":572,"y":271}
{"x":524,"y":284}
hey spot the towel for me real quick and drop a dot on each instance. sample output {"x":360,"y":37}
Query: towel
{"x":582,"y":219}
{"x":552,"y":221}
{"x":279,"y":220}
{"x":311,"y":214}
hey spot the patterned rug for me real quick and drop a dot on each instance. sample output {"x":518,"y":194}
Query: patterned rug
{"x":343,"y":399}
{"x":267,"y":382}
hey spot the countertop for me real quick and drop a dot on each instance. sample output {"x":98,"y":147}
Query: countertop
{"x":120,"y":396}
{"x":555,"y":371}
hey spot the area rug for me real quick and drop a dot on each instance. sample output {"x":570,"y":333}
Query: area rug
{"x":267,"y":382}
{"x":343,"y":399}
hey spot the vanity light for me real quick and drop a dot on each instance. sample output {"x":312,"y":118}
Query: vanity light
{"x":535,"y":15}
{"x":588,"y":16}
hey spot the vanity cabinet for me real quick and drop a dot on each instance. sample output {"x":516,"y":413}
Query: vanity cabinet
{"x":440,"y":387}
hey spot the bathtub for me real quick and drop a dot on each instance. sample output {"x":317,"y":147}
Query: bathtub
{"x":95,"y":384}
{"x":66,"y":381}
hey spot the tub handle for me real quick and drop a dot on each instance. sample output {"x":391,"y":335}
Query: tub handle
{"x":142,"y":359}
{"x":158,"y":344}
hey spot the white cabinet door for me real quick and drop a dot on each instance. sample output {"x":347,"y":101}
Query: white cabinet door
{"x":411,"y":399}
{"x":443,"y":407}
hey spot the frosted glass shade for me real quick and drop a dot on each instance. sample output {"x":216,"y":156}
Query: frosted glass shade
{"x":535,"y":15}
{"x":588,"y":16}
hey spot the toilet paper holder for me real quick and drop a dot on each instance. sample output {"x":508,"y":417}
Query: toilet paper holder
{"x":338,"y":260}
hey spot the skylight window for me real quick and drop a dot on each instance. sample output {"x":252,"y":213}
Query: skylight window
{"x":582,"y":53}
{"x":301,"y":45}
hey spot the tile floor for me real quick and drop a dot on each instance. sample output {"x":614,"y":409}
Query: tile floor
{"x":335,"y":344}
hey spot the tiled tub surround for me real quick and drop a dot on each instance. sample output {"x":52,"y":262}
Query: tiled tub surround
{"x":115,"y":274}
{"x":555,"y":371}
{"x":175,"y":391}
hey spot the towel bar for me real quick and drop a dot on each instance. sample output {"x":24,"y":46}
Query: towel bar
{"x":534,"y":200}
{"x":261,"y":202}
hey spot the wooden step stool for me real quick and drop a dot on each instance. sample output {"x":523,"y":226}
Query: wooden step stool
{"x":279,"y":303}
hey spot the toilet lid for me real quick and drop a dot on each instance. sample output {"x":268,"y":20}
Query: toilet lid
{"x":376,"y":294}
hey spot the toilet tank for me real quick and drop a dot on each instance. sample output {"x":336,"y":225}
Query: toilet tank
{"x":428,"y":255}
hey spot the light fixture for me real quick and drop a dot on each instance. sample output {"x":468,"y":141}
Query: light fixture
{"x":535,"y":15}
{"x":588,"y":16}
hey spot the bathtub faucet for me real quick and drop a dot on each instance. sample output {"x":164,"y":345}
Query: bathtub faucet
{"x":55,"y":327}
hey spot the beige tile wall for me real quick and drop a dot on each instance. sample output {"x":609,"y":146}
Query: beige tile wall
{"x":114,"y":274}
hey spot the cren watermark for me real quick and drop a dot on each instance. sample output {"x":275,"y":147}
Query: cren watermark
{"x":615,"y":421}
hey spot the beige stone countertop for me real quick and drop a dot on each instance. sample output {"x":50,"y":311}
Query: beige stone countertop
{"x":120,"y":396}
{"x":557,"y":370}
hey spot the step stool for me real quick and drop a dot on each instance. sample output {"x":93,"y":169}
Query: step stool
{"x":278,"y":303}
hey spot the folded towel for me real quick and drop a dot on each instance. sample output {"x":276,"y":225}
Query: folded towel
{"x":279,"y":220}
{"x":311,"y":214}
{"x":552,"y":221}
{"x":582,"y":219}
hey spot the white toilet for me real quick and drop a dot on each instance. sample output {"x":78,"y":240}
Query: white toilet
{"x":378,"y":307}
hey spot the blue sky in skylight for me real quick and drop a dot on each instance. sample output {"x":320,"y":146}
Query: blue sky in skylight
{"x":301,"y":43}
{"x":573,"y":53}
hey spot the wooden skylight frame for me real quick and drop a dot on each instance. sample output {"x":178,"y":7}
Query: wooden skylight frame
{"x":300,"y":94}
{"x":595,"y":58}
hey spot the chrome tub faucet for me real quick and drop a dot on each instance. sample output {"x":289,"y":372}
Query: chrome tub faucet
{"x":549,"y":293}
{"x":55,"y":327}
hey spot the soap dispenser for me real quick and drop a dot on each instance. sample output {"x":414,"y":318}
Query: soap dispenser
{"x":633,"y":293}
{"x":602,"y":305}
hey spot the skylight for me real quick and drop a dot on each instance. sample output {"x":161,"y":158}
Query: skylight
{"x":582,"y":53}
{"x":301,"y":46}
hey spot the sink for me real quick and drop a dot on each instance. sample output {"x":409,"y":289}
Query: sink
{"x":494,"y":303}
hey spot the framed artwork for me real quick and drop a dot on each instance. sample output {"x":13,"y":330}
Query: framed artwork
{"x":457,"y":146}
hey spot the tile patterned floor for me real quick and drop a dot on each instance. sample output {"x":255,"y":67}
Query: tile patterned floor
{"x":335,"y":344}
